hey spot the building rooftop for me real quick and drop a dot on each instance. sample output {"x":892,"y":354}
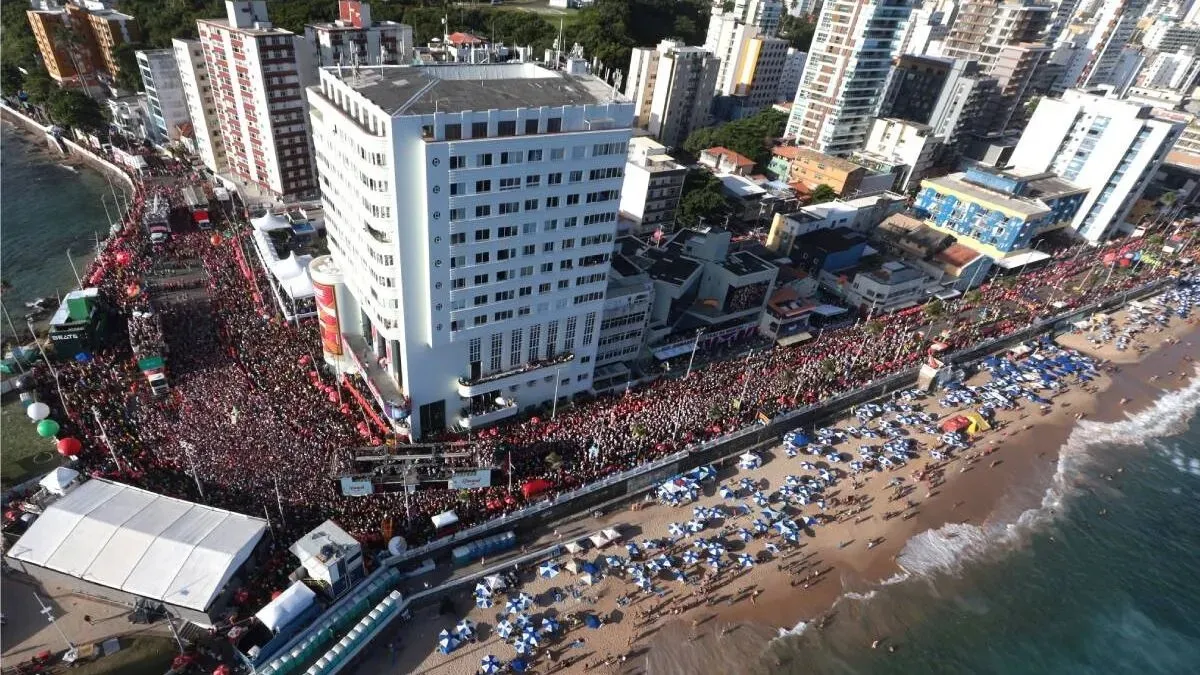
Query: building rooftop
{"x":423,"y":90}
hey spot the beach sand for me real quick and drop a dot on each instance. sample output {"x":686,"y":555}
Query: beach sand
{"x":753,"y":606}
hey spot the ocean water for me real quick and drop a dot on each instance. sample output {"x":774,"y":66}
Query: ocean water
{"x":1103,"y":577}
{"x":46,"y":209}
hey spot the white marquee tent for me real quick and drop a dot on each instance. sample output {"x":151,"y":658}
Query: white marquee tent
{"x":142,"y":543}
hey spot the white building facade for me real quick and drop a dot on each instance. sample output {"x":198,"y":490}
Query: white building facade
{"x":475,"y":237}
{"x":846,"y":73}
{"x":258,"y":74}
{"x":165,"y":97}
{"x":1112,"y":146}
{"x":206,"y":141}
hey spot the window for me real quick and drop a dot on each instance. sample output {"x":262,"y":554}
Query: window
{"x":481,"y":279}
{"x":510,"y":207}
{"x":458,"y":214}
{"x":514,"y":157}
{"x":483,"y":160}
{"x":483,"y":186}
{"x":543,"y":289}
{"x":531,"y":127}
{"x":506,"y":231}
{"x":458,"y":284}
{"x":527,"y":271}
{"x":483,"y":235}
{"x":533,"y":181}
{"x":479,"y":300}
{"x":575,"y":176}
{"x":483,"y":210}
{"x":557,"y":154}
{"x":534,"y":155}
{"x":554,"y":179}
{"x":531,"y":205}
{"x":458,"y":161}
{"x":479,"y":130}
{"x":510,"y":184}
{"x":553,"y":125}
{"x":457,"y":238}
{"x":508,"y":128}
{"x":551,"y":202}
{"x":482,"y":258}
{"x":535,"y":335}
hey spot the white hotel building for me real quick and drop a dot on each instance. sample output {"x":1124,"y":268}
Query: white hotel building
{"x":471,"y":211}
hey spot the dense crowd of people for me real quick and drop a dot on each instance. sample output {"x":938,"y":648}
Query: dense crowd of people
{"x":259,"y":424}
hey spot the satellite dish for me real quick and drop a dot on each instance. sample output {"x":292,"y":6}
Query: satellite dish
{"x":397,"y":545}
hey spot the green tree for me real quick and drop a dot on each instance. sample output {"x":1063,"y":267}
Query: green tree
{"x":753,"y":136}
{"x":823,"y":193}
{"x":75,"y":109}
{"x":129,"y":77}
{"x":12,"y":80}
{"x":934,"y":309}
{"x":702,"y":198}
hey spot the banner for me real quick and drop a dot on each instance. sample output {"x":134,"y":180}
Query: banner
{"x":474,"y":479}
{"x":331,"y":335}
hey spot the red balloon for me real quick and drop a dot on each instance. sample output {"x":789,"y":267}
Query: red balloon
{"x":215,"y":239}
{"x":69,"y":446}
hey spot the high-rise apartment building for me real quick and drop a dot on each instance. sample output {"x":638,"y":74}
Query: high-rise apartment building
{"x":258,"y":73}
{"x":1111,"y":146}
{"x":847,"y":72}
{"x":354,"y":39}
{"x":165,"y":98}
{"x":474,"y":233}
{"x":731,"y":27}
{"x":75,"y":41}
{"x":671,"y":87}
{"x":202,"y":109}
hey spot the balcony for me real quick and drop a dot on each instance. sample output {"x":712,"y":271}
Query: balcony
{"x":468,"y":387}
{"x":475,"y":416}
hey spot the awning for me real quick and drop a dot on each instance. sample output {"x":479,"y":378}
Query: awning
{"x":829,"y":310}
{"x":793,"y":339}
{"x":1012,"y":262}
{"x":284,"y":609}
{"x":444,"y":519}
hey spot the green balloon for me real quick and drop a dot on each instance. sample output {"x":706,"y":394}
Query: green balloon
{"x":47,"y":428}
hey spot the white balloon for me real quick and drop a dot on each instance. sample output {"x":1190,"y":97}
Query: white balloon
{"x":38,"y":411}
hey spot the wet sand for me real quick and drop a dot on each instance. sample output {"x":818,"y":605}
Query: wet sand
{"x":752,"y":606}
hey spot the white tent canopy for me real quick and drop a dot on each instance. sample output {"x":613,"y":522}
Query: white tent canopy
{"x":143,"y":543}
{"x":271,"y":221}
{"x":58,"y":480}
{"x":284,"y":609}
{"x":445,"y":519}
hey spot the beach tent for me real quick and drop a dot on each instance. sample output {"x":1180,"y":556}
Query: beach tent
{"x":955,"y":424}
{"x":444,"y":519}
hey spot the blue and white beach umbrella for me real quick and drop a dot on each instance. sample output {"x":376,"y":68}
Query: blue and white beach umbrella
{"x":489,"y":664}
{"x":550,"y":625}
{"x":547,"y":570}
{"x":504,"y":629}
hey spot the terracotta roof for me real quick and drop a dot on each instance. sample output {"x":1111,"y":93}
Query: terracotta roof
{"x":739,"y":160}
{"x":957,"y":255}
{"x":460,"y":39}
